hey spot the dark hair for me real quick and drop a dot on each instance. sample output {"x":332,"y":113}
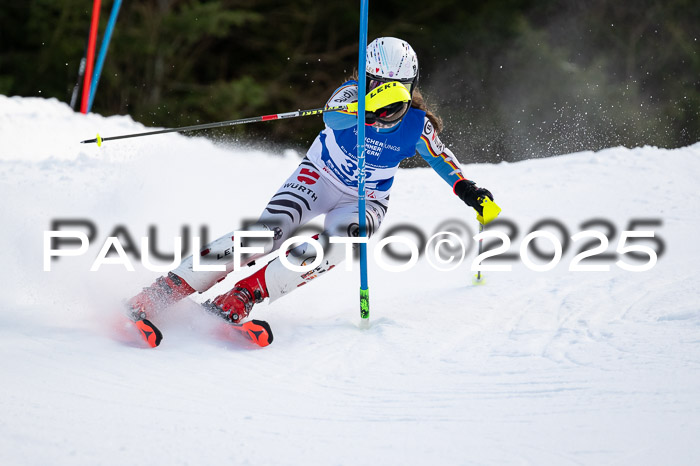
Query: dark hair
{"x":417,"y":101}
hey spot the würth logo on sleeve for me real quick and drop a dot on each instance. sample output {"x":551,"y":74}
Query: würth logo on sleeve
{"x":307,"y":176}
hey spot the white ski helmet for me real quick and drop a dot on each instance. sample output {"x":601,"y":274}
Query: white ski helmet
{"x":391,"y":59}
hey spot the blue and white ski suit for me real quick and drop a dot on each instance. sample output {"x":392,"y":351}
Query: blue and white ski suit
{"x":325,"y":182}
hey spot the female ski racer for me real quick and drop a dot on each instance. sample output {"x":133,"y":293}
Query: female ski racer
{"x":325,"y":182}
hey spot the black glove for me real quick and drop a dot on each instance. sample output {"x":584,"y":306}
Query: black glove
{"x":472,"y":195}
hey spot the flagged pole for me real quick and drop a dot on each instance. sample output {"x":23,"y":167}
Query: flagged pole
{"x":103,"y":52}
{"x":362,"y":220}
{"x":91,"y":54}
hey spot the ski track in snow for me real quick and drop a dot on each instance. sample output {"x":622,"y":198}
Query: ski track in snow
{"x":555,"y":367}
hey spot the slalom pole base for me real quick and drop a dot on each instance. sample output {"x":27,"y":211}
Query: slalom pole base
{"x":364,"y":308}
{"x":476,"y":280}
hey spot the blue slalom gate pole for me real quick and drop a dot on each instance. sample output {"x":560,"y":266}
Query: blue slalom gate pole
{"x":103,"y":51}
{"x":361,"y":86}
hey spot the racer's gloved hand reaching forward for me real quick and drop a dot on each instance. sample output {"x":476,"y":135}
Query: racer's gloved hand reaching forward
{"x":472,"y":195}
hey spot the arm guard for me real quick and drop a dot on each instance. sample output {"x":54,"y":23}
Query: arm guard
{"x":439,"y":157}
{"x":345,"y":94}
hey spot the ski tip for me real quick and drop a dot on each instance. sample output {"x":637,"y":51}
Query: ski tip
{"x":149,"y":332}
{"x":258,"y":331}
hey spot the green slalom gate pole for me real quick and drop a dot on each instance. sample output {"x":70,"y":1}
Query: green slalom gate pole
{"x":361,"y":85}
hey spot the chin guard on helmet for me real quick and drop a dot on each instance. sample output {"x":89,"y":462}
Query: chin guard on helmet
{"x":387,"y":104}
{"x":387,"y":94}
{"x":384,"y":106}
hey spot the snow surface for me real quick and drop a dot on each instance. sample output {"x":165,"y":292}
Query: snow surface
{"x":553,"y":367}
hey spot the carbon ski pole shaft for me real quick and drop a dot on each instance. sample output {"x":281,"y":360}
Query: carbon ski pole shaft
{"x":279,"y":116}
{"x":478,"y":278}
{"x":481,"y":242}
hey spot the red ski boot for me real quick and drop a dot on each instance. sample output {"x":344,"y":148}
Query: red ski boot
{"x":164,"y":292}
{"x":236,"y":304}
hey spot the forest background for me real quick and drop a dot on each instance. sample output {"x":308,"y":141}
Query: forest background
{"x":512,"y":79}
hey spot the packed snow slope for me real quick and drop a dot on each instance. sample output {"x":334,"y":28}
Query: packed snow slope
{"x":556,"y":367}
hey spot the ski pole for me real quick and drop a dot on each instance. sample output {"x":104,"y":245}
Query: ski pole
{"x":279,"y":116}
{"x":490,"y":211}
{"x":478,"y":278}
